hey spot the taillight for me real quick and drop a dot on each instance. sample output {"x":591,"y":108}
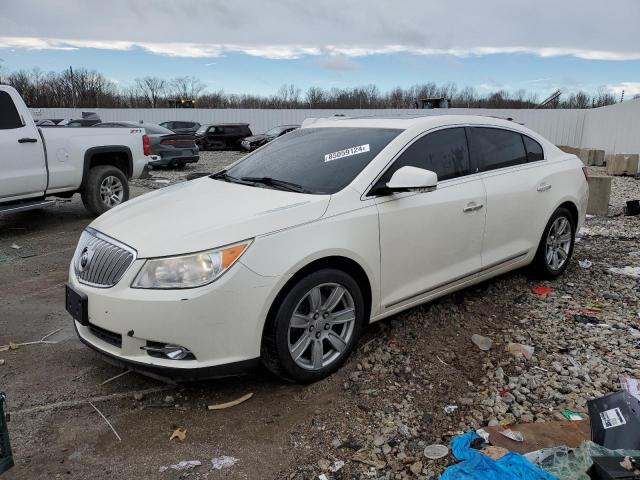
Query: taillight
{"x":146,"y":145}
{"x":585,"y":171}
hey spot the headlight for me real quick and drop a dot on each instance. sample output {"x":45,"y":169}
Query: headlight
{"x":188,"y":271}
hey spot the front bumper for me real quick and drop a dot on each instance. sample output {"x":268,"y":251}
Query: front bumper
{"x":221,"y":323}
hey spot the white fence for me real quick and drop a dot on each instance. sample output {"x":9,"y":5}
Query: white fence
{"x":615,"y":129}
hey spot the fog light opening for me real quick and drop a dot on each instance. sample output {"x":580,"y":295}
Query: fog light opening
{"x":167,"y":350}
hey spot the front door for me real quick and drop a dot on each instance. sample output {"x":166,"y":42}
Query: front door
{"x":431,"y":240}
{"x":22,"y":164}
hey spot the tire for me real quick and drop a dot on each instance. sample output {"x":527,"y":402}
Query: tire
{"x":281,"y":341}
{"x":97,"y":201}
{"x":545,"y":264}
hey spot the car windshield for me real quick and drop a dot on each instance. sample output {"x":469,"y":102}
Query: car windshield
{"x":320,"y":160}
{"x":274,"y":132}
{"x":202,"y":129}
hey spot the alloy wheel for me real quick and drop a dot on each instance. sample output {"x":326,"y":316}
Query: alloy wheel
{"x":111,"y":191}
{"x":558,"y":244}
{"x":322,"y":326}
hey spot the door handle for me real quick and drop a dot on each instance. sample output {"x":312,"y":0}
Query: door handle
{"x":472,"y":207}
{"x":27,"y":140}
{"x":543,"y":187}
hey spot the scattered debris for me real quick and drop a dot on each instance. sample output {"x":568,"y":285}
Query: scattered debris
{"x":628,"y":271}
{"x":585,"y":263}
{"x":233,"y":403}
{"x":586,"y":319}
{"x":43,"y":340}
{"x":162,"y":181}
{"x":633,"y":208}
{"x":571,"y":415}
{"x":322,"y":476}
{"x":368,"y":459}
{"x":495,"y":453}
{"x":15,"y":247}
{"x":122,"y":374}
{"x":631,"y":385}
{"x":138,"y":397}
{"x":337,"y":466}
{"x":541,"y":290}
{"x":627,"y":464}
{"x":108,"y":422}
{"x":2,"y":361}
{"x":180,"y":433}
{"x":218,"y":463}
{"x":182,"y":466}
{"x":169,"y":399}
{"x":450,"y":408}
{"x":513,"y":435}
{"x":433,"y":452}
{"x":483,"y":343}
{"x":520,"y":350}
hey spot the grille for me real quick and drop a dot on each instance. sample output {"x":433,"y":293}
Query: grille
{"x":111,"y":338}
{"x":100,"y":261}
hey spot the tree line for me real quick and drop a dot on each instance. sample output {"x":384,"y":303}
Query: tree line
{"x":84,"y":88}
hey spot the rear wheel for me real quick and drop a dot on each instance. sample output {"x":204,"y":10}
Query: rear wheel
{"x":106,"y":187}
{"x":556,"y":246}
{"x":315,"y":328}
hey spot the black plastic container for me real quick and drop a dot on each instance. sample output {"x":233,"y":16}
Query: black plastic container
{"x":6,"y":458}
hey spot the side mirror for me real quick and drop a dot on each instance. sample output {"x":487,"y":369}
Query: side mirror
{"x":412,"y":179}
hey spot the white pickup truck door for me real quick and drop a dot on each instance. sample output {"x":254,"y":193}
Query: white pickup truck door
{"x":23,"y":171}
{"x":431,"y":240}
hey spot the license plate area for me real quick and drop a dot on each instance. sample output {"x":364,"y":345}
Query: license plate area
{"x":76,"y":304}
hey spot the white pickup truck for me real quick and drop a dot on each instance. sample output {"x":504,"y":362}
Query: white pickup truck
{"x":39,"y":163}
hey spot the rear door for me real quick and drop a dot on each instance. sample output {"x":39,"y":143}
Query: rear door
{"x":431,"y":240}
{"x":516,"y":178}
{"x":23,"y":171}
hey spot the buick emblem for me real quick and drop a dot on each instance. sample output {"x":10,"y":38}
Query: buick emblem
{"x":85,"y":256}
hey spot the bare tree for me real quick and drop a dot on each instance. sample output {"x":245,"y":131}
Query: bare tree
{"x":188,"y":88}
{"x":152,"y":88}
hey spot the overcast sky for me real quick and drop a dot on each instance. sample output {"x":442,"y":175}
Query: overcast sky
{"x":256,"y":45}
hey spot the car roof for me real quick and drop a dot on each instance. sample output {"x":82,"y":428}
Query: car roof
{"x":410,"y":121}
{"x":223,"y":124}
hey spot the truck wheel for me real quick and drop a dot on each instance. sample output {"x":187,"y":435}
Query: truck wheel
{"x":106,"y":187}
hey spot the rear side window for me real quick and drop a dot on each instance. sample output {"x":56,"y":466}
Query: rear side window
{"x":9,"y":117}
{"x":444,"y":152}
{"x":533,"y":148}
{"x":497,"y":148}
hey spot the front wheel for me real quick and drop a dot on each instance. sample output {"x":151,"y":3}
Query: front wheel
{"x":315,"y":328}
{"x":106,"y":187}
{"x":556,"y":245}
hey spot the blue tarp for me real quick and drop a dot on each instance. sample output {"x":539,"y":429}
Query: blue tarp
{"x":474,"y":465}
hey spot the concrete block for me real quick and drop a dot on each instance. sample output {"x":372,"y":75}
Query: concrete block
{"x":599,"y":194}
{"x":623,"y":164}
{"x":596,"y":157}
{"x":583,"y":154}
{"x":567,"y":149}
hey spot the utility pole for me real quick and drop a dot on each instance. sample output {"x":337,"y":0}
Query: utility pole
{"x":622,"y":97}
{"x":73,"y":92}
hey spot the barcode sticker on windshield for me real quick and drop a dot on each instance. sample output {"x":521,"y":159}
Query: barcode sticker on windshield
{"x":347,"y":152}
{"x":612,"y":418}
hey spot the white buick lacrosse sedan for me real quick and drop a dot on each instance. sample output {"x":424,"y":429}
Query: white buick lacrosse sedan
{"x":285,"y":256}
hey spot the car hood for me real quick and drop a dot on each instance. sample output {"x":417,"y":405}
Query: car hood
{"x":255,"y":138}
{"x":204,"y":214}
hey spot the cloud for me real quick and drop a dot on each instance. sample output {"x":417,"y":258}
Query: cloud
{"x":337,"y":62}
{"x":630,"y":89}
{"x":332,"y":30}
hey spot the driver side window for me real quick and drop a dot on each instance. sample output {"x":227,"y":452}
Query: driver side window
{"x":444,"y":152}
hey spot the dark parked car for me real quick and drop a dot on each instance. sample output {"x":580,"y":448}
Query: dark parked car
{"x":173,"y":149}
{"x":179,"y":126}
{"x":256,"y":141}
{"x":222,"y":136}
{"x":89,"y":119}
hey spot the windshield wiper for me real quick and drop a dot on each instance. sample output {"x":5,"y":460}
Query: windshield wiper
{"x":222,"y":175}
{"x":281,"y":184}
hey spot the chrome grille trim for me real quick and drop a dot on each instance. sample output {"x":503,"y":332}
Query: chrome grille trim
{"x":107,"y":259}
